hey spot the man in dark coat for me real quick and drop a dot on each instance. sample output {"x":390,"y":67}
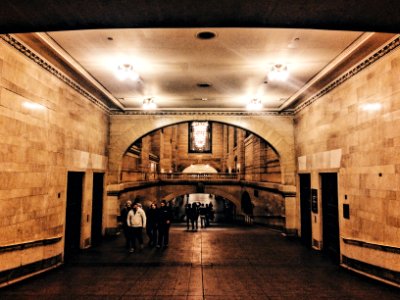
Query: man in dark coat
{"x":188,"y":211}
{"x":164,"y":222}
{"x":124,"y":220}
{"x":152,"y":219}
{"x":194,"y":216}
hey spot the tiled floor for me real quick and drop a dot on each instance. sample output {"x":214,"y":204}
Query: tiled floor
{"x":223,"y":262}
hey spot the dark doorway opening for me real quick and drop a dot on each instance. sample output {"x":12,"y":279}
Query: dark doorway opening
{"x":97,"y":209}
{"x":73,"y":214}
{"x":305,"y":208}
{"x":330,"y":216}
{"x":247,"y":206}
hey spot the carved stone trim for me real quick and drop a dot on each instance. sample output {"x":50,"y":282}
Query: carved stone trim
{"x":48,"y":67}
{"x":202,"y":113}
{"x":346,"y":76}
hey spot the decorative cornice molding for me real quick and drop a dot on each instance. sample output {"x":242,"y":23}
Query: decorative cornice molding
{"x":16,"y":44}
{"x":201,"y":113}
{"x":352,"y":72}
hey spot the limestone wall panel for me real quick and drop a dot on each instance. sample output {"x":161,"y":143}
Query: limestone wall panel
{"x":368,"y":173}
{"x":46,"y":130}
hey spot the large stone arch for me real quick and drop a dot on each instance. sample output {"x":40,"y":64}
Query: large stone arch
{"x":175,"y":192}
{"x":277,"y":130}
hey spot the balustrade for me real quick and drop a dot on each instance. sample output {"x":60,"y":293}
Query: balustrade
{"x":198,"y":176}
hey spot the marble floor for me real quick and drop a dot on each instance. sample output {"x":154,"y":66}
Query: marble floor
{"x":219,"y":262}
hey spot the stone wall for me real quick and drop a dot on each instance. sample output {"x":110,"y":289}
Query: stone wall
{"x":46,"y":129}
{"x":354,"y":130}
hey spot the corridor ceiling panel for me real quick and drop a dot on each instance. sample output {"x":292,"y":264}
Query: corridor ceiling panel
{"x":179,"y":70}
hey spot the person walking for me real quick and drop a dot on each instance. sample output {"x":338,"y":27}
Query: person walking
{"x":188,"y":212}
{"x":208,"y":212}
{"x":151,"y":224}
{"x":136,"y":222}
{"x":164,"y":223}
{"x":202,"y":213}
{"x":194,"y":216}
{"x":124,"y":220}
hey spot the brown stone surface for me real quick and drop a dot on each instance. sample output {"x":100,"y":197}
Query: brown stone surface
{"x":220,"y":262}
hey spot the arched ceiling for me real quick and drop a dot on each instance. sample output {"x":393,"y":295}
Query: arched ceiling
{"x":316,"y":40}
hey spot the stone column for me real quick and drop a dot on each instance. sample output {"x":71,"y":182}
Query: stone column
{"x":291,"y":211}
{"x":111,"y":210}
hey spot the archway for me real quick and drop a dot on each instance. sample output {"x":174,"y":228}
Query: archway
{"x":221,"y":209}
{"x":235,"y":151}
{"x":277,"y":130}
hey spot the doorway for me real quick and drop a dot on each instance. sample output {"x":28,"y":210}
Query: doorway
{"x":247,"y":205}
{"x":73,"y":213}
{"x":305,"y":210}
{"x":330,"y":216}
{"x":97,"y":209}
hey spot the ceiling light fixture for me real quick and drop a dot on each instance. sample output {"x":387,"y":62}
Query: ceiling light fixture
{"x":149,"y":104}
{"x":125,"y":71}
{"x":278,"y":72}
{"x":254,"y":104}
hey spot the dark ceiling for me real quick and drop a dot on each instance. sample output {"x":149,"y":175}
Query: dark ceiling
{"x":52,"y":15}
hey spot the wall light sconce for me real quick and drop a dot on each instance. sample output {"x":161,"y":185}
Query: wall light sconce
{"x":126,"y":71}
{"x":375,"y":106}
{"x":254,"y":104}
{"x":149,"y":104}
{"x":278,"y":72}
{"x":33,"y":106}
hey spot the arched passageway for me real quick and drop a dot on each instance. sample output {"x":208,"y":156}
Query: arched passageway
{"x":155,"y":166}
{"x":232,"y":151}
{"x":277,"y":130}
{"x":222,"y":210}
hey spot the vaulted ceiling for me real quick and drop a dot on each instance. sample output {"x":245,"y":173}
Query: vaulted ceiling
{"x":201,"y":55}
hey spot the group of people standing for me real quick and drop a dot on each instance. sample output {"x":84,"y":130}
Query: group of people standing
{"x":194,"y":211}
{"x":155,"y":220}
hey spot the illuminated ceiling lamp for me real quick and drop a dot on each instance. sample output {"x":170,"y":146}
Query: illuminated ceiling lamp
{"x":278,"y":72}
{"x":149,"y":104}
{"x":126,"y":71}
{"x":254,"y":104}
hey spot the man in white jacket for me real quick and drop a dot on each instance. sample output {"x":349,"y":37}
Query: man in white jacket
{"x":136,"y":220}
